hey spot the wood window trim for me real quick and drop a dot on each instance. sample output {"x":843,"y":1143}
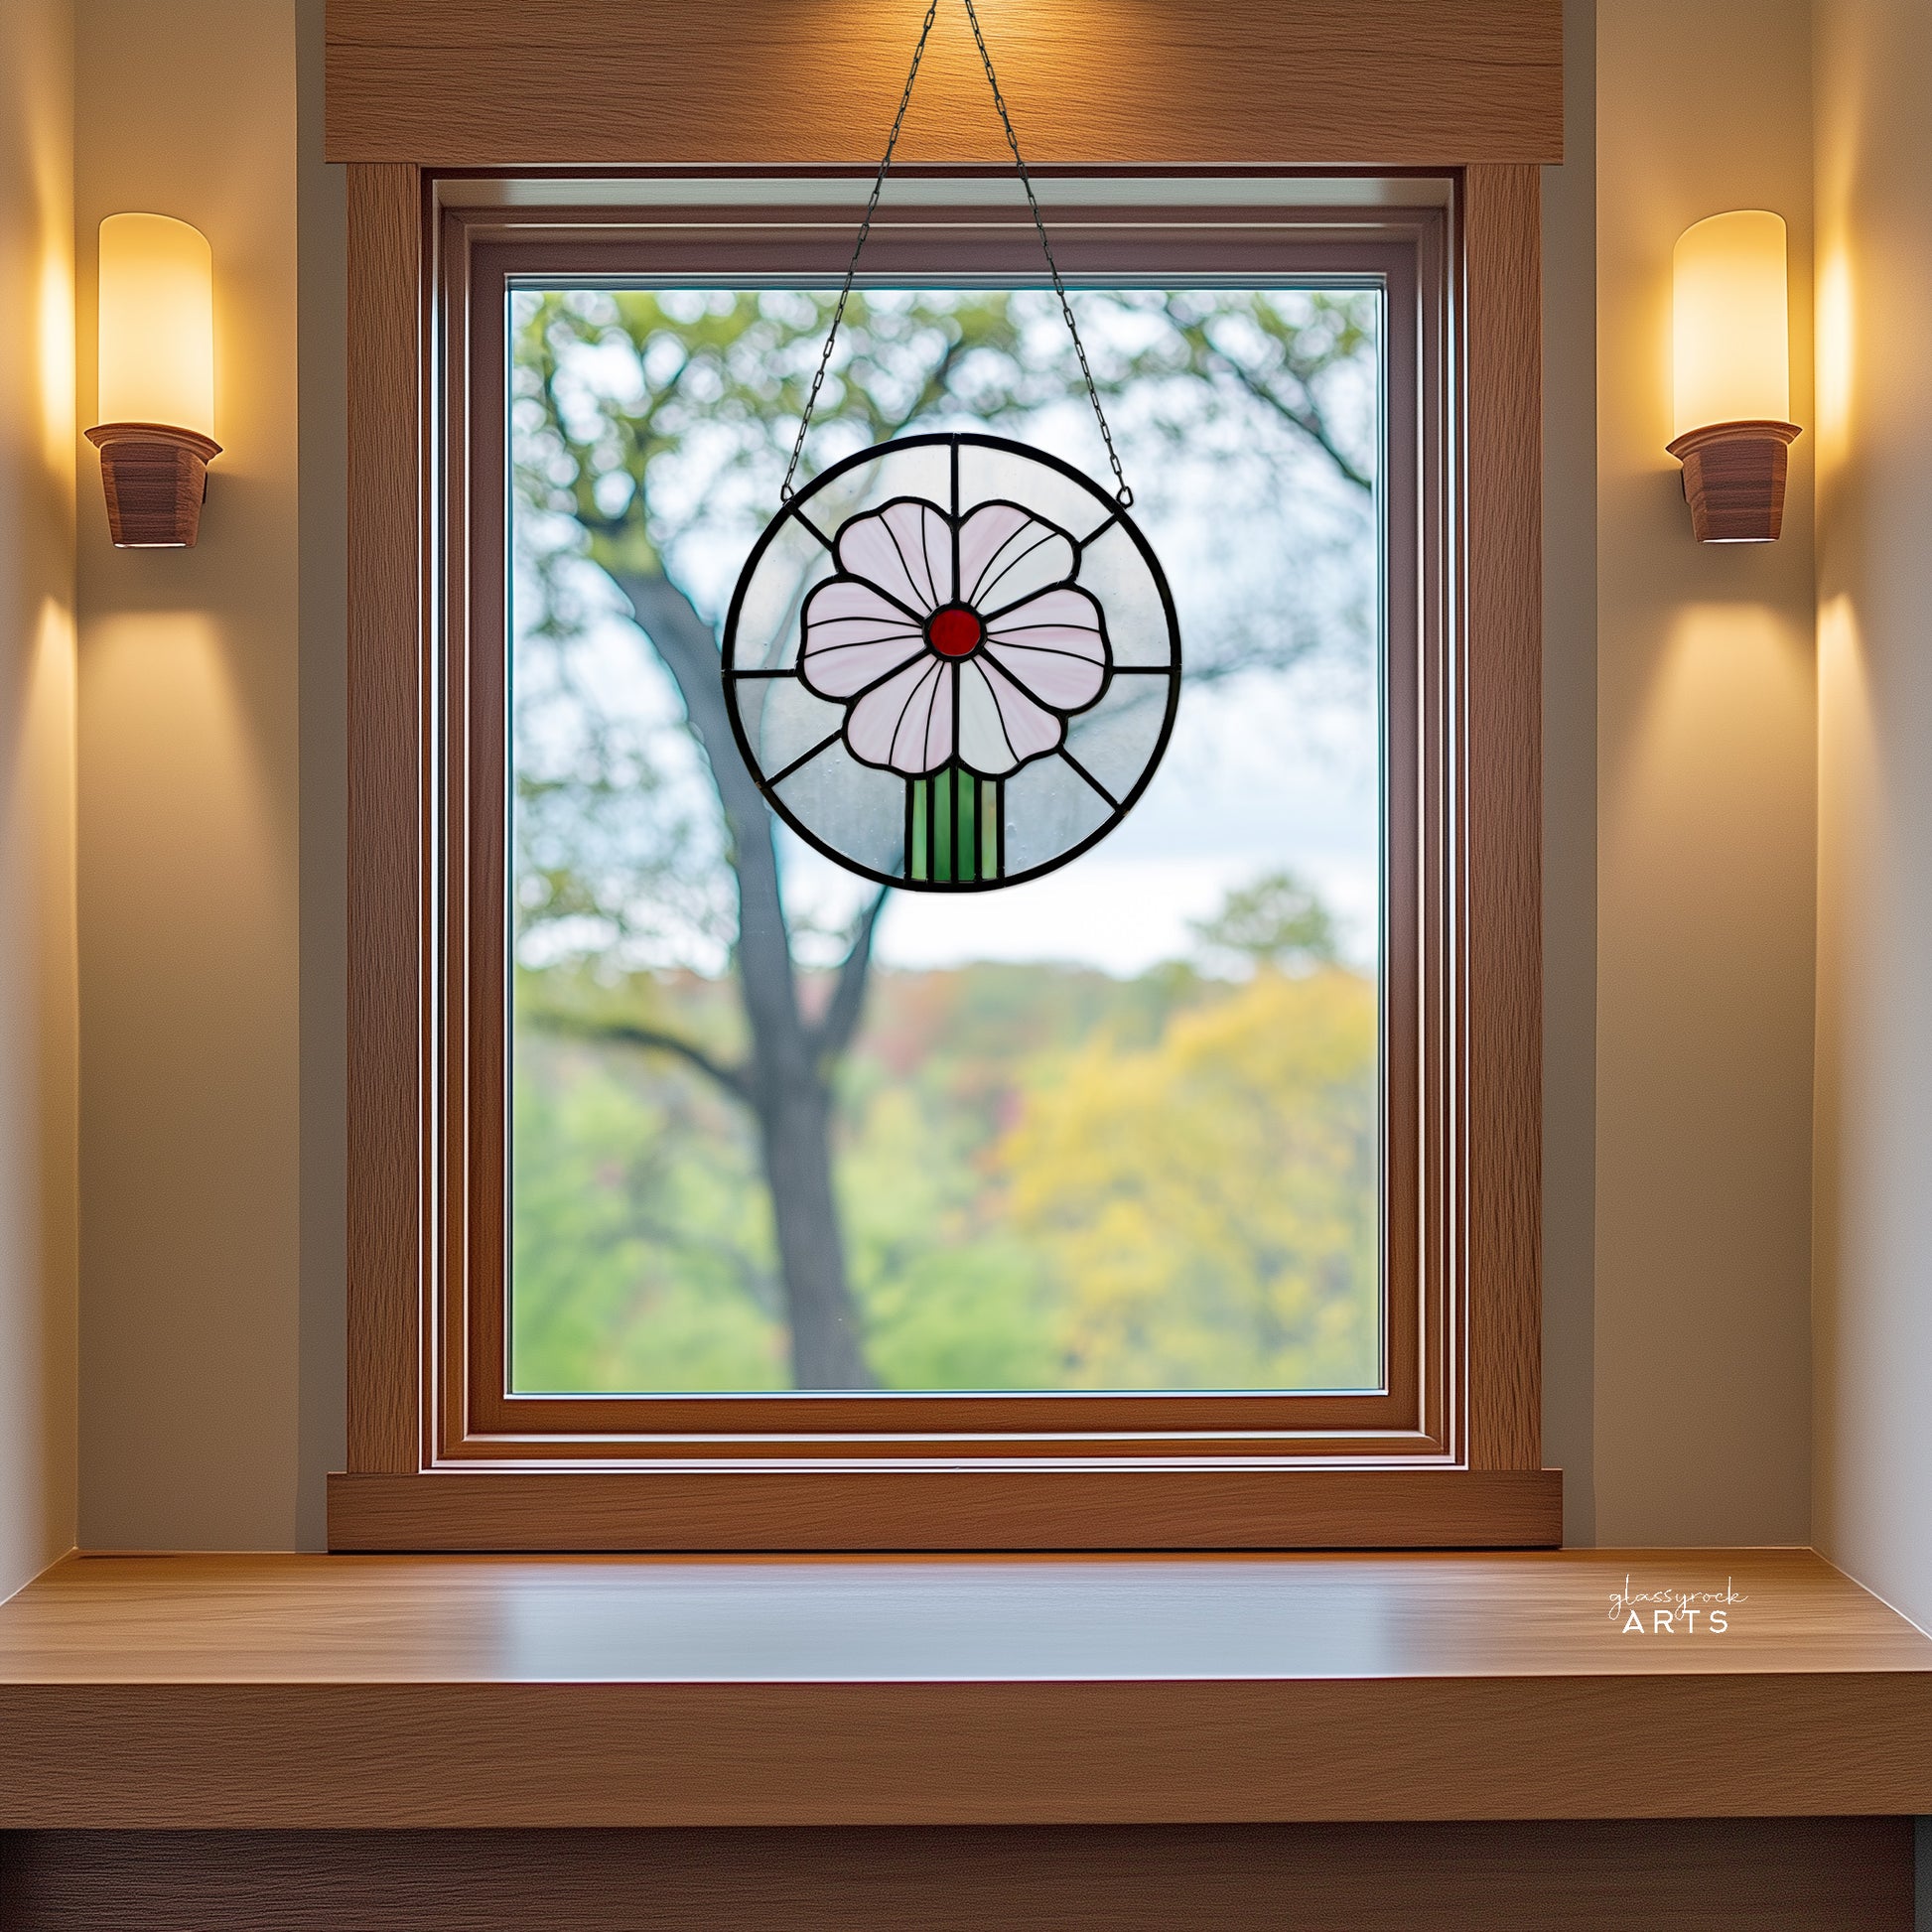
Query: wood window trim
{"x":479,"y":252}
{"x":432,"y":1466}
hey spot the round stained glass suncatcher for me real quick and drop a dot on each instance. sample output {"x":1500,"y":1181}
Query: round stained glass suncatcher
{"x":952,"y":663}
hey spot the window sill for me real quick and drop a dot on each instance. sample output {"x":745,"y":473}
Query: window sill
{"x":1212,"y":1504}
{"x":278,"y":1690}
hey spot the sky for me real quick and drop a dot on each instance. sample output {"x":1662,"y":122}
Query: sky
{"x":1250,"y":784}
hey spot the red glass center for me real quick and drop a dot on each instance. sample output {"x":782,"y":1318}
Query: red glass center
{"x":955,"y":631}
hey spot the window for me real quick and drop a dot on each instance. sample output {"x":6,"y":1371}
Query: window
{"x":1179,"y":1162}
{"x":1115,"y":1128}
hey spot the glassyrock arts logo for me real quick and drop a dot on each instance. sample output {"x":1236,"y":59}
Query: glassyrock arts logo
{"x":1674,"y":1613}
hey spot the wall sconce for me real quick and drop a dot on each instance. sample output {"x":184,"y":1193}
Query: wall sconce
{"x":157,"y":379}
{"x":1731,"y":375}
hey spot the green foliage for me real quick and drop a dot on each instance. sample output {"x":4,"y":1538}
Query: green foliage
{"x":1209,"y":1202}
{"x":636,"y":1265}
{"x":641,"y":1248}
{"x":1050,"y":1178}
{"x":623,"y":396}
{"x":620,"y":391}
{"x":1277,"y":922}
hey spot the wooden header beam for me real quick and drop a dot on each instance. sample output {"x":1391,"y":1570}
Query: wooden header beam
{"x":556,"y":83}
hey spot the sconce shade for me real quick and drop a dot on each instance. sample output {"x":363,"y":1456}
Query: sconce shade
{"x":1730,"y":337}
{"x":1730,"y":375}
{"x":157,"y":324}
{"x":156,"y":434}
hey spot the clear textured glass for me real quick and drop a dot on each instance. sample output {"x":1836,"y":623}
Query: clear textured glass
{"x":1115,"y":741}
{"x":785,"y":722}
{"x":1049,"y":809}
{"x":767,"y":623}
{"x":1113,"y":568}
{"x":852,"y":807}
{"x":989,"y":476}
{"x":1112,"y":1127}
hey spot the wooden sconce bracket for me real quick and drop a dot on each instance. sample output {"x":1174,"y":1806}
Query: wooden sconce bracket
{"x":156,"y":478}
{"x":1734,"y":479}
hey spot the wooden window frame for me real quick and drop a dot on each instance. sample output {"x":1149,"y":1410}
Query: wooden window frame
{"x":440,"y":1455}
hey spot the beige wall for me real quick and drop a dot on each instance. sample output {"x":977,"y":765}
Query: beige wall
{"x":1873,"y":1493}
{"x":1704,"y":762}
{"x":322,"y":326}
{"x":1570,"y":785}
{"x":189,"y":915}
{"x":1679,"y":827}
{"x":37,"y":860}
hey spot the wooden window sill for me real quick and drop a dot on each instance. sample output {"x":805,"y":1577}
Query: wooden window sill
{"x":337,"y":1691}
{"x":762,"y":1507}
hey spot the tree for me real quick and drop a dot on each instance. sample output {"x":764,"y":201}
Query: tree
{"x":1277,"y":923}
{"x":1209,"y":1201}
{"x":637,"y":416}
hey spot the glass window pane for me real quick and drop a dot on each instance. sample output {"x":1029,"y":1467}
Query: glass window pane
{"x":1113,"y":1127}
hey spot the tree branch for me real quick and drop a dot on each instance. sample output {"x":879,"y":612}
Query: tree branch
{"x":840,"y":1020}
{"x":1308,"y":420}
{"x":622,"y":1033}
{"x":933,"y":391}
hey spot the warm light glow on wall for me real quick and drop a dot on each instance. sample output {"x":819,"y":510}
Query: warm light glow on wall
{"x":1837,"y":635}
{"x":1835,"y":348}
{"x":157,"y":323}
{"x":1735,"y":679}
{"x":56,"y":359}
{"x":156,"y":432}
{"x":1731,"y":374}
{"x":1730,"y":337}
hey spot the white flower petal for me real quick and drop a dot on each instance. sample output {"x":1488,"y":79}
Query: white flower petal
{"x":906,"y":721}
{"x":1031,"y":729}
{"x":852,"y":637}
{"x":1007,"y":553}
{"x":983,"y":742}
{"x":1054,"y":646}
{"x":905,"y":549}
{"x":942,"y":741}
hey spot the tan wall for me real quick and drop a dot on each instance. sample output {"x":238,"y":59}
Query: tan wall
{"x":188,"y":919}
{"x":1570,"y":785}
{"x":1704,"y":762}
{"x":37,"y":861}
{"x":1872,"y":1494}
{"x":321,"y":225}
{"x":1679,"y":724}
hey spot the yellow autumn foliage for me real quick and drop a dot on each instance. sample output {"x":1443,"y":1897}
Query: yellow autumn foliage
{"x":1208,"y":1204}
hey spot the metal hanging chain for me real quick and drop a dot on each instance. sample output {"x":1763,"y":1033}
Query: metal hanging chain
{"x":1122,"y":495}
{"x":852,"y":267}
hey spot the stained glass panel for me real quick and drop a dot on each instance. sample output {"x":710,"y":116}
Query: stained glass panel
{"x":954,"y":643}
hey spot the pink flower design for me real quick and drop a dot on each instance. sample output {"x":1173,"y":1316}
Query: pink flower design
{"x":970,"y":643}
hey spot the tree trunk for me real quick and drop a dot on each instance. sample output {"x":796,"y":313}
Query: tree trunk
{"x":789,"y":1091}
